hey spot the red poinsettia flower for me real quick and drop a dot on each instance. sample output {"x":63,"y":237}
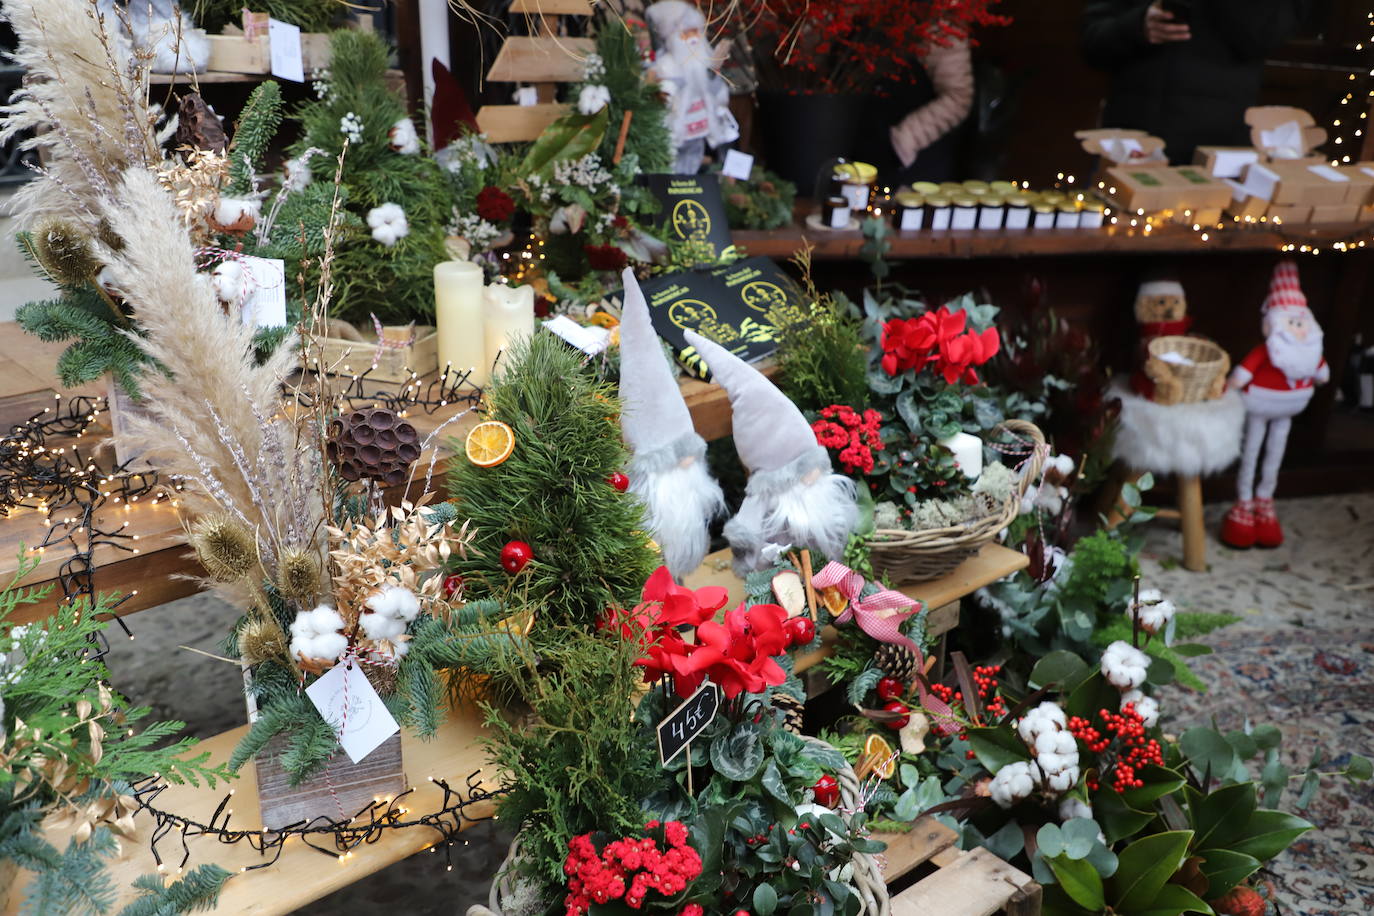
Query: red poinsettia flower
{"x":494,"y":205}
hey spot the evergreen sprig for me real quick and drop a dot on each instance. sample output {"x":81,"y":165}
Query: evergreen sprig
{"x":198,"y":890}
{"x":648,"y":138}
{"x":310,"y":740}
{"x":590,"y":549}
{"x":257,"y":126}
{"x":79,"y":885}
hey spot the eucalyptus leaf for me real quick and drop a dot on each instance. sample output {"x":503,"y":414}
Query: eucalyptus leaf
{"x":1080,"y":835}
{"x":1007,"y":842}
{"x":1049,"y":839}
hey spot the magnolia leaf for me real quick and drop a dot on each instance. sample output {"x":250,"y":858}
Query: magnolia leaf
{"x":1269,"y":833}
{"x":1225,"y":868}
{"x":1079,"y":880}
{"x":1146,"y":865}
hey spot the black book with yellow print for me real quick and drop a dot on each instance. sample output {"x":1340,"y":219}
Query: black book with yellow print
{"x":741,"y":307}
{"x":692,"y":216}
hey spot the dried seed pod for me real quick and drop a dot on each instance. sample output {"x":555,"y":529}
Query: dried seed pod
{"x":260,"y":640}
{"x":64,"y":253}
{"x":299,"y":576}
{"x":382,"y":677}
{"x":224,"y":547}
{"x":375,"y":444}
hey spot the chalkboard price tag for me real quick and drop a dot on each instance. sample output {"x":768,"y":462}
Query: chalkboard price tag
{"x":687,"y":721}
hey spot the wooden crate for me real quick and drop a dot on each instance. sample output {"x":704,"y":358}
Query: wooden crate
{"x":927,"y":873}
{"x":341,"y":791}
{"x":240,"y":54}
{"x":388,"y":364}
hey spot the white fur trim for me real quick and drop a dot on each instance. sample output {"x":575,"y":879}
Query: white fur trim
{"x":1186,"y":439}
{"x":1160,"y":288}
{"x":680,"y":502}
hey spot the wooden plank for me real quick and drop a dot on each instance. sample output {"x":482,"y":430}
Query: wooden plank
{"x":552,"y":7}
{"x":531,"y":59}
{"x":302,"y":875}
{"x":518,"y":123}
{"x":977,"y":883}
{"x":905,"y":851}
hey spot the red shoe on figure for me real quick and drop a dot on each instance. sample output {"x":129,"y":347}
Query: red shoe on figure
{"x":1238,"y":529}
{"x":1268,"y":531}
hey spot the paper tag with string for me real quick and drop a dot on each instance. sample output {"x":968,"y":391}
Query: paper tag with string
{"x":264,"y":294}
{"x":347,"y":700}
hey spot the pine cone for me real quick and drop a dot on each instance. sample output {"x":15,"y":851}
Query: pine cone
{"x":792,"y":711}
{"x":896,"y":661}
{"x":376,"y":444}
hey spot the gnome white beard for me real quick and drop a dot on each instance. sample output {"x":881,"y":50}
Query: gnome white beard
{"x":803,"y":503}
{"x":1296,"y":359}
{"x":682,"y":498}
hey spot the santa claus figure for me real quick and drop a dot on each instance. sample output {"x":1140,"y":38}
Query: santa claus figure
{"x":686,"y":66}
{"x":1276,"y":381}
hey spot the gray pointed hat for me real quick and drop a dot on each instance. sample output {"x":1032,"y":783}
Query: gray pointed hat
{"x":769,"y":430}
{"x":654,"y":414}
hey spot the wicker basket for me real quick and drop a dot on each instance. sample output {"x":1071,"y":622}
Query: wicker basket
{"x":867,"y":879}
{"x":1207,"y":363}
{"x":918,"y":556}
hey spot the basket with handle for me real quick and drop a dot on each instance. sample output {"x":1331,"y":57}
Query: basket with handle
{"x":1202,"y":363}
{"x":867,"y":879}
{"x":918,"y":556}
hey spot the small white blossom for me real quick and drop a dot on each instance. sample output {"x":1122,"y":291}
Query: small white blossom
{"x":592,"y":99}
{"x":403,"y":137}
{"x":1153,"y":610}
{"x":593,"y":68}
{"x":316,"y":634}
{"x":351,"y":126}
{"x":1124,"y":666}
{"x":1014,"y":782}
{"x":1146,"y":707}
{"x":388,"y":223}
{"x":321,"y":84}
{"x":469,"y":226}
{"x":1070,"y":808}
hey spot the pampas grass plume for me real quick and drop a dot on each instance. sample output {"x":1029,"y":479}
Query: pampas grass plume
{"x":224,"y":547}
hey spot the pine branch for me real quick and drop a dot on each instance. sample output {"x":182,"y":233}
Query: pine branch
{"x":257,"y":125}
{"x":80,"y":884}
{"x":198,"y":890}
{"x":283,"y":714}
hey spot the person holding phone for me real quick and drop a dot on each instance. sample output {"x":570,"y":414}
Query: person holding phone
{"x":1185,"y":70}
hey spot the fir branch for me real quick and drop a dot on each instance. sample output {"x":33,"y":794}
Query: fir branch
{"x":284,"y":714}
{"x":80,"y":884}
{"x":257,"y":125}
{"x":198,"y":890}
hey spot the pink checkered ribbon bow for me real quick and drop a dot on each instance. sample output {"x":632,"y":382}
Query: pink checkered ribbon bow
{"x":880,"y":614}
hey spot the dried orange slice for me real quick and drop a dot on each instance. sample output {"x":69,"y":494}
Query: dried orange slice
{"x":878,"y":754}
{"x":489,"y":443}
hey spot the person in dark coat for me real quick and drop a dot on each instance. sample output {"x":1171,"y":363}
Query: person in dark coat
{"x":1185,"y":76}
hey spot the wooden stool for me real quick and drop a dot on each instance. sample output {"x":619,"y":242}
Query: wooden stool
{"x":1189,"y":514}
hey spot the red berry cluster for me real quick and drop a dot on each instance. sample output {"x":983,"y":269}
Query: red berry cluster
{"x":1134,"y":750}
{"x":855,"y":435}
{"x":985,"y":677}
{"x":601,"y":877}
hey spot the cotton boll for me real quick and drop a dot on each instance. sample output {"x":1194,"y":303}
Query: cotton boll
{"x":592,"y":99}
{"x":406,"y":604}
{"x":380,"y":626}
{"x":1124,"y":666}
{"x":228,"y":280}
{"x":388,"y":223}
{"x":1146,"y":707}
{"x":1045,"y":718}
{"x":403,"y":138}
{"x":1153,"y":610}
{"x":235,"y":211}
{"x":1056,"y":743}
{"x":1063,"y":780}
{"x":1013,"y":782}
{"x":329,"y":646}
{"x":325,"y":619}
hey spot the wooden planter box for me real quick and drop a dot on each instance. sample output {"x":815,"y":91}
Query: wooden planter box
{"x":341,"y":791}
{"x":927,"y":872}
{"x":389,"y":363}
{"x":239,"y":54}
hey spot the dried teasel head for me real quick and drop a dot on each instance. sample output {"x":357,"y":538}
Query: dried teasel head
{"x":260,"y":640}
{"x":299,"y":576}
{"x":224,"y":547}
{"x":64,"y":253}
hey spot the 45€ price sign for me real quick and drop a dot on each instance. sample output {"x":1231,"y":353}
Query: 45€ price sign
{"x":675,"y":733}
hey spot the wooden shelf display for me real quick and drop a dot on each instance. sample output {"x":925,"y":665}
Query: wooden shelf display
{"x":544,"y":59}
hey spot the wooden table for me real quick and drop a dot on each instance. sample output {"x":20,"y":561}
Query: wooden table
{"x":156,"y":567}
{"x":302,"y":874}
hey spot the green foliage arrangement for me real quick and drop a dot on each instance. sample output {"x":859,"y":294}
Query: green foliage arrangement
{"x":310,"y":15}
{"x":70,"y":745}
{"x":393,"y":282}
{"x":822,"y":360}
{"x":198,"y":890}
{"x":765,"y":200}
{"x":618,"y":67}
{"x":552,"y":493}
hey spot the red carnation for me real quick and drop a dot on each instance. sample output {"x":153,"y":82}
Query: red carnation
{"x":494,"y":205}
{"x":605,"y":257}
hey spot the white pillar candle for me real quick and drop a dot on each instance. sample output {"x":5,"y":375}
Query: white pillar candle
{"x":509,"y":314}
{"x":458,"y":318}
{"x":968,"y":453}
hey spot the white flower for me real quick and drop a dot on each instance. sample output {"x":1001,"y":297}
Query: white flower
{"x":1070,"y":808}
{"x":1146,"y":707}
{"x":1153,"y":610}
{"x":403,"y":137}
{"x":478,"y":232}
{"x":593,"y":68}
{"x":1062,"y":781}
{"x":1045,"y":718}
{"x":351,"y":126}
{"x":592,"y":99}
{"x":1124,"y":666}
{"x":298,"y":175}
{"x":315,"y":634}
{"x":1014,"y":782}
{"x":321,"y":84}
{"x":388,"y":223}
{"x":230,"y":210}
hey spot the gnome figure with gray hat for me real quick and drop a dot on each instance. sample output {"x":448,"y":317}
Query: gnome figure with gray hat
{"x":668,"y":462}
{"x":794,"y":497}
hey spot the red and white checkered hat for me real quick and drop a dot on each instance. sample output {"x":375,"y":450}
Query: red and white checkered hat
{"x":1284,"y":291}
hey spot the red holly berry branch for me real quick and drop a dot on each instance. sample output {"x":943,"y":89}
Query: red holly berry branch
{"x":1132,"y":750}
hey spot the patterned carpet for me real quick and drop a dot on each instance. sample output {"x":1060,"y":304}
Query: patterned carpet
{"x":1302,"y":658}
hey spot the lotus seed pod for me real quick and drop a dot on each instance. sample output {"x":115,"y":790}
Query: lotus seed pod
{"x":375,"y":444}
